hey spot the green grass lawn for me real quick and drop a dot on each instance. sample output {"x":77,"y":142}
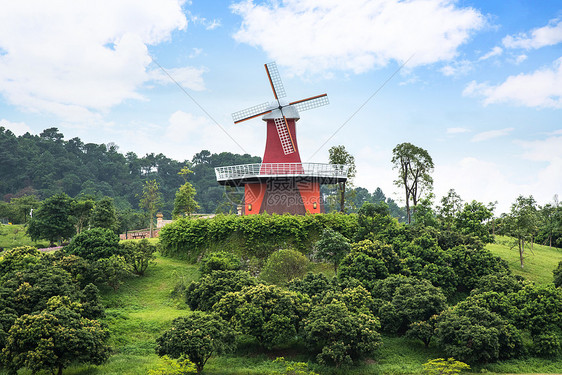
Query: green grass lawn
{"x":15,"y":235}
{"x":538,"y":264}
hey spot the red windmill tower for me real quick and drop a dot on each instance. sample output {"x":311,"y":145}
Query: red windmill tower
{"x":281,"y":183}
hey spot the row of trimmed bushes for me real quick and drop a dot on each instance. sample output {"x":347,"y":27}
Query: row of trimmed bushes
{"x":250,"y":236}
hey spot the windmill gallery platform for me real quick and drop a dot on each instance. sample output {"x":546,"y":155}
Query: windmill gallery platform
{"x":281,"y":183}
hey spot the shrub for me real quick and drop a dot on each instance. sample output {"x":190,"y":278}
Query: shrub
{"x":474,"y":334}
{"x":203,"y":294}
{"x":139,"y":255}
{"x":366,"y":262}
{"x":546,"y":345}
{"x":315,"y":285}
{"x":405,"y":300}
{"x":95,"y":244}
{"x":198,"y":337}
{"x":338,"y":336}
{"x":283,"y":266}
{"x":219,"y":261}
{"x":441,"y":366}
{"x":333,"y":246}
{"x":266,"y":312}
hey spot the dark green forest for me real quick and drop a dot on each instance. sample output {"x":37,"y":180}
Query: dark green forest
{"x":46,"y":164}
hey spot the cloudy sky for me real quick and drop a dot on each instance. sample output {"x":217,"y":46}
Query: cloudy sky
{"x":476,"y":83}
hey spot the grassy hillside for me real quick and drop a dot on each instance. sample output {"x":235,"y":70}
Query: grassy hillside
{"x":15,"y":235}
{"x":143,"y":308}
{"x":538,"y":264}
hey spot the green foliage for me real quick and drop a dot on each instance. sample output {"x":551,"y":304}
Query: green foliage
{"x":95,"y":244}
{"x":185,"y":203}
{"x":219,"y":261}
{"x":283,"y":266}
{"x":250,"y":236}
{"x":266,"y":312}
{"x":474,"y":334}
{"x":423,"y":330}
{"x":53,"y":220}
{"x":54,"y":338}
{"x":315,"y":285}
{"x":338,"y":336}
{"x":104,"y":215}
{"x":332,"y":246}
{"x":292,"y":368}
{"x":522,"y":223}
{"x":139,"y":255}
{"x":472,"y":221}
{"x":115,"y":270}
{"x":356,"y":298}
{"x":546,"y":345}
{"x":204,"y":293}
{"x":151,"y":200}
{"x":405,"y":300}
{"x":557,"y":272}
{"x":197,"y":337}
{"x":174,"y":367}
{"x":537,"y":309}
{"x":440,"y":366}
{"x":367,"y":262}
{"x":18,"y":258}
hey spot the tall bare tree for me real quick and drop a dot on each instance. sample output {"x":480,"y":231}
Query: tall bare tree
{"x":414,"y":166}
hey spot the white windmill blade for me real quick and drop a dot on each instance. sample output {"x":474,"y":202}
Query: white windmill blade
{"x":275,"y":80}
{"x":249,"y":113}
{"x":284,"y":135}
{"x":310,"y":103}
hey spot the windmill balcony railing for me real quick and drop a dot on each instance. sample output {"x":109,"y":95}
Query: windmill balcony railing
{"x":264,"y":170}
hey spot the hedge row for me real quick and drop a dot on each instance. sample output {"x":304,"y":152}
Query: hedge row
{"x":250,"y":236}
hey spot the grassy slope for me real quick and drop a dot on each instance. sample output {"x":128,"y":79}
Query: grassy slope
{"x":142,"y":309}
{"x":538,"y":264}
{"x":15,"y":235}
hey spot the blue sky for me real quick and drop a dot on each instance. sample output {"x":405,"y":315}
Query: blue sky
{"x":481,"y":89}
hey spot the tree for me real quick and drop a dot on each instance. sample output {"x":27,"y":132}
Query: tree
{"x":472,"y":221}
{"x":451,"y":205}
{"x":55,"y":338}
{"x":332,"y":246}
{"x":185,"y":203}
{"x":557,"y":272}
{"x":197,"y":337}
{"x":95,"y":244}
{"x":339,"y":336}
{"x":114,"y":269}
{"x":139,"y":255}
{"x":284,"y":265}
{"x":151,"y":200}
{"x":267,"y":312}
{"x":104,"y":215}
{"x":474,"y":334}
{"x":339,"y":156}
{"x":82,"y":210}
{"x":210,"y":288}
{"x":522,"y":223}
{"x":219,"y":261}
{"x":53,"y":220}
{"x":414,"y":166}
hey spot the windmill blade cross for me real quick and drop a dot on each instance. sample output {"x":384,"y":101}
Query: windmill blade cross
{"x":275,"y":80}
{"x":252,"y":112}
{"x":310,"y":103}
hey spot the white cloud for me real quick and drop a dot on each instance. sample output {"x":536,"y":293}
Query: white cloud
{"x":75,"y":58}
{"x":541,"y":88}
{"x":496,"y":51}
{"x":491,"y":134}
{"x":457,"y":68}
{"x":18,"y":128}
{"x":356,"y":35}
{"x":548,"y":35}
{"x":457,"y":130}
{"x":187,"y":77}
